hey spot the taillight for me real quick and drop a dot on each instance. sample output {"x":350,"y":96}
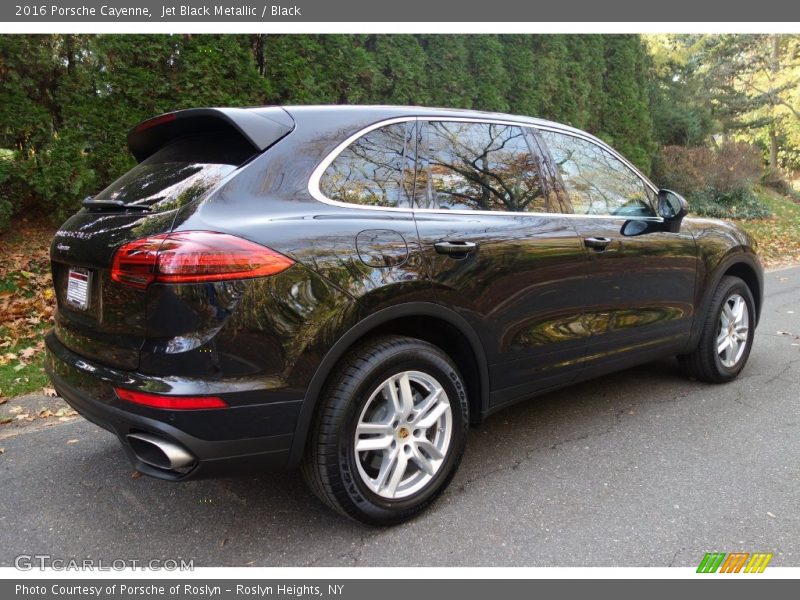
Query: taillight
{"x":194,"y":257}
{"x":170,"y":402}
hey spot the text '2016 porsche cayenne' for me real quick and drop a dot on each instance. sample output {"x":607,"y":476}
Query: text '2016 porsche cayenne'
{"x":346,"y":289}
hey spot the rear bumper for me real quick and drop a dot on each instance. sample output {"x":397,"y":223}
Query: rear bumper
{"x":249,"y":436}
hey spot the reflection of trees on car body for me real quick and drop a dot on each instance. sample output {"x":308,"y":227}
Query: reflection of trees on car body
{"x":483,"y":166}
{"x":596,"y":181}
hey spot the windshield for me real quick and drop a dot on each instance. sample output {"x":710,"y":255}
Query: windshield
{"x":179,"y":173}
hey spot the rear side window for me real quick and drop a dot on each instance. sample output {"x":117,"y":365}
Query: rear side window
{"x":482,"y":166}
{"x":375,"y":170}
{"x":598,"y":183}
{"x":180,"y":172}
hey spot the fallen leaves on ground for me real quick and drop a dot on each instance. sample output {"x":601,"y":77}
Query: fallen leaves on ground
{"x":778,"y":238}
{"x":27,"y":353}
{"x":49,"y":392}
{"x":19,"y":414}
{"x":27,"y":300}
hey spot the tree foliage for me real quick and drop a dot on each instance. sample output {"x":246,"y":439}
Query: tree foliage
{"x":67,"y":101}
{"x":741,"y":86}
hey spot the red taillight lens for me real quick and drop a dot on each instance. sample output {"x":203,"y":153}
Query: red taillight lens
{"x":194,"y":257}
{"x":135,"y":263}
{"x":170,"y":402}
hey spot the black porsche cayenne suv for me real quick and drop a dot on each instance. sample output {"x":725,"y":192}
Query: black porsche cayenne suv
{"x":347,"y":288}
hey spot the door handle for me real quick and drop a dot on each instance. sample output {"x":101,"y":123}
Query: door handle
{"x":456,"y":248}
{"x":597,"y":243}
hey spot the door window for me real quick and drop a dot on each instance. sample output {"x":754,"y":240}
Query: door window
{"x":482,"y":166}
{"x":598,"y":183}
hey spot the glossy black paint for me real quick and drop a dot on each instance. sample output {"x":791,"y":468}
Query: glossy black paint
{"x":113,"y":328}
{"x":641,"y":289}
{"x":520,"y":291}
{"x":530,"y":307}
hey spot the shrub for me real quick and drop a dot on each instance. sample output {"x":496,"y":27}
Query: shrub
{"x":732,"y":166}
{"x":716,"y":182}
{"x":60,"y":175}
{"x":738,"y":204}
{"x":681,"y":169}
{"x":6,"y":208}
{"x":736,"y":166}
{"x":5,"y":213}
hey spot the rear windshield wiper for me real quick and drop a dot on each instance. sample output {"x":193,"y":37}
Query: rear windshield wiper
{"x":90,"y":202}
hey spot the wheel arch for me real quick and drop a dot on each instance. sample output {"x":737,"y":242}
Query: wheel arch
{"x":742,"y":264}
{"x":423,"y":320}
{"x":747,"y":273}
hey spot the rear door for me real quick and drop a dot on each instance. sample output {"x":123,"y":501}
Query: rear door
{"x":640,"y":279}
{"x":501,"y":253}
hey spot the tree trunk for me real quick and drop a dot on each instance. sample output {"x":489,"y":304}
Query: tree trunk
{"x":773,"y":149}
{"x":773,"y":136}
{"x":257,"y":47}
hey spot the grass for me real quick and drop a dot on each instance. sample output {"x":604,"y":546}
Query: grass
{"x":26,"y":306}
{"x":778,"y":238}
{"x":20,"y":376}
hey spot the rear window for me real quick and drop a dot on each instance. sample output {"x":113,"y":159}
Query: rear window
{"x":180,"y":172}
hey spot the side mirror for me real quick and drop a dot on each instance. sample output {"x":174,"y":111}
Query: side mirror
{"x":672,"y":207}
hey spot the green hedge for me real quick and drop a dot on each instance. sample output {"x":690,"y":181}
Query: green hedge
{"x":67,"y":101}
{"x":741,"y":203}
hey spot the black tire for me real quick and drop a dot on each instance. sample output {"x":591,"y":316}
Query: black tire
{"x":330,"y":464}
{"x":705,"y":362}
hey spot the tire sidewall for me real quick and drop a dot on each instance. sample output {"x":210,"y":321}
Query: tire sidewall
{"x":418,"y":358}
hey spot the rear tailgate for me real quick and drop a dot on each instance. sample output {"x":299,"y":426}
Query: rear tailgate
{"x":102,"y":320}
{"x":183,"y":157}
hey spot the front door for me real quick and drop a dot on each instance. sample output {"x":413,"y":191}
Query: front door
{"x":500,"y":252}
{"x":640,"y":278}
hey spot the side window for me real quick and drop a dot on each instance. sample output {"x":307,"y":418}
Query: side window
{"x":375,"y":170}
{"x":481,"y":166}
{"x":597,"y":182}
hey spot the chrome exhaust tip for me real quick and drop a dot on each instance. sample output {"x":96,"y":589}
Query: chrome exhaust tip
{"x":158,"y":452}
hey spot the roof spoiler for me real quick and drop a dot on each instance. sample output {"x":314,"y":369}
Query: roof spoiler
{"x":262,"y":127}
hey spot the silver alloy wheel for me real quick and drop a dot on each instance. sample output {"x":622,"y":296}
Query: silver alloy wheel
{"x":734,"y":329}
{"x":403,"y":434}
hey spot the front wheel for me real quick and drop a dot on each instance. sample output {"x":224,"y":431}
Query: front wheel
{"x":727,"y":335}
{"x":390,"y":432}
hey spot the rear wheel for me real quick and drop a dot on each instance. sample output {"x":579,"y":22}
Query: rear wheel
{"x":727,"y":335}
{"x":390,"y":433}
